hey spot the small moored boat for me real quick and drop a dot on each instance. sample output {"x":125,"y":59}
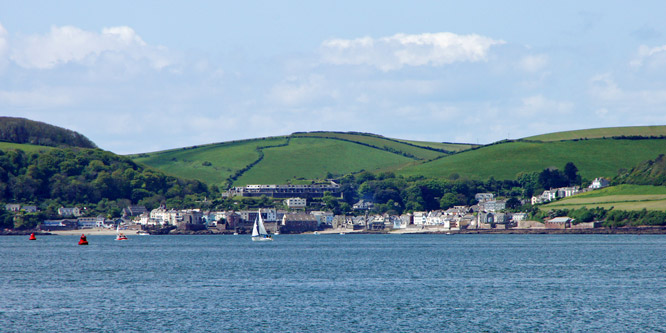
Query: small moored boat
{"x":120,"y":235}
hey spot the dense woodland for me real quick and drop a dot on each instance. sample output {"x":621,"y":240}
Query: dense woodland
{"x":102,"y":182}
{"x":20,"y":130}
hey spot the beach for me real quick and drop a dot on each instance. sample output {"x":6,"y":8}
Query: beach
{"x":94,"y":232}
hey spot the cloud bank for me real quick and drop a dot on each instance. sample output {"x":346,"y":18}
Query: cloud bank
{"x":394,"y":52}
{"x":68,"y":44}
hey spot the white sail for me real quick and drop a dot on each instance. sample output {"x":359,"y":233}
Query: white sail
{"x":259,"y":231}
{"x":255,"y":229}
{"x":262,"y":229}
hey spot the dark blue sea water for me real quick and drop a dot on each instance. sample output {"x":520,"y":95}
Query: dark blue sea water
{"x":309,"y":283}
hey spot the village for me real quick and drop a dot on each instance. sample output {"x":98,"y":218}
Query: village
{"x":489,"y":213}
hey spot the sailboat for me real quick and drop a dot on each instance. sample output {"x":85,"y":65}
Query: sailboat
{"x":120,"y":235}
{"x":259,"y":233}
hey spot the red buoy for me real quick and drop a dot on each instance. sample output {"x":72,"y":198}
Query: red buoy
{"x":83,"y":240}
{"x":32,"y":236}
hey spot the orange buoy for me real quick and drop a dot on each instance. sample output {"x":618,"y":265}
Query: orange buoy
{"x":83,"y":240}
{"x":32,"y":236}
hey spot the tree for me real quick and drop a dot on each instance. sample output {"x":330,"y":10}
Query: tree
{"x":571,"y":172}
{"x":449,"y":200}
{"x":512,"y":203}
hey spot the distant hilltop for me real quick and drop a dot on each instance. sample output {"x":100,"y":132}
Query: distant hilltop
{"x":25,"y":131}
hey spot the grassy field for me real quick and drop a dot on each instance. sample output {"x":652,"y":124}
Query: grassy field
{"x":312,"y":158}
{"x":304,"y":158}
{"x":601,"y":133}
{"x":25,"y":147}
{"x":622,"y":197}
{"x":594,"y":158}
{"x":453,"y":147}
{"x":381,"y":143}
{"x":224,"y":158}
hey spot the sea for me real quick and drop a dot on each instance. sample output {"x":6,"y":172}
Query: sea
{"x":334,"y":283}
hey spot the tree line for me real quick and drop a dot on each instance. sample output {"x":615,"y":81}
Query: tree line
{"x":100,"y":181}
{"x":20,"y":130}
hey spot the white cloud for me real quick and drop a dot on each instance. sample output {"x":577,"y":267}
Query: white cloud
{"x":653,"y":56}
{"x":397,"y":51}
{"x":533,"y":63}
{"x":70,"y":44}
{"x":3,"y":41}
{"x":604,"y":88}
{"x":4,"y":46}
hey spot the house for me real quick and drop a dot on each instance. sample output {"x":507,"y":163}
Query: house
{"x":298,"y":222}
{"x":518,"y":217}
{"x":132,"y":211}
{"x":435,"y":217}
{"x":286,"y":191}
{"x":559,"y":223}
{"x":492,"y":220}
{"x":363,"y":205}
{"x":598,"y":183}
{"x":192,"y":220}
{"x":267,"y":214}
{"x":323,"y":218}
{"x":296,"y":203}
{"x":419,"y":218}
{"x":229,"y":221}
{"x":341,"y":221}
{"x":546,"y":196}
{"x":86,"y":222}
{"x":162,"y":216}
{"x":73,"y":211}
{"x":564,"y":192}
{"x":493,"y":205}
{"x":14,"y":208}
{"x":53,"y":225}
{"x":29,"y":209}
{"x":402,"y":221}
{"x":481,"y":197}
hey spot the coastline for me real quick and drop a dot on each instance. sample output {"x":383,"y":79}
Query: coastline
{"x":641,"y":230}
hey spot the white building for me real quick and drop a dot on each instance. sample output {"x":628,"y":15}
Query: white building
{"x":598,"y":183}
{"x":323,"y":217}
{"x":420,"y":218}
{"x":162,"y":216}
{"x":296,"y":202}
{"x":74,"y":211}
{"x":481,"y":197}
{"x":546,"y":196}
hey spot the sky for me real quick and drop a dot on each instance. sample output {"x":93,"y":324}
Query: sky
{"x":141,"y":76}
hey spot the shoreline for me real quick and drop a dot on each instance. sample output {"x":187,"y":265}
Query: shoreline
{"x":643,"y":230}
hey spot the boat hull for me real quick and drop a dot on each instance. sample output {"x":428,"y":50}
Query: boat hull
{"x":261,"y":239}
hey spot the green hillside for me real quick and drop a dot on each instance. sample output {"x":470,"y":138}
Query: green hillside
{"x":213,"y":163}
{"x":594,"y":158}
{"x":313,"y":158}
{"x":452,"y":147}
{"x":295,"y":158}
{"x":622,"y":197}
{"x":306,"y":156}
{"x":596,"y":133}
{"x":423,"y":151}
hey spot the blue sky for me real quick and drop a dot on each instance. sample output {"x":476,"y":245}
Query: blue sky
{"x":158,"y":75}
